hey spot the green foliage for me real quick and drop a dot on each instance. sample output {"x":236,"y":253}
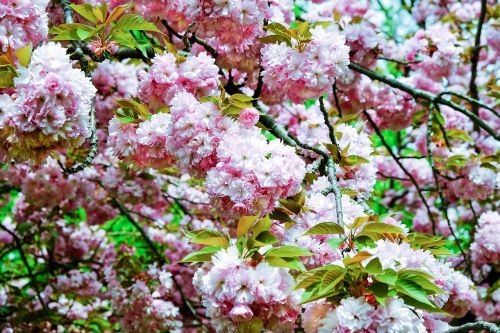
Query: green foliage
{"x":325,"y":228}
{"x":114,"y":27}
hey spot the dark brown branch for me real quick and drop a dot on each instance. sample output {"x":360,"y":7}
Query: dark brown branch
{"x":336,"y":98}
{"x":475,"y":57}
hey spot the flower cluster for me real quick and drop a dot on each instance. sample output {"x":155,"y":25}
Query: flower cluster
{"x":197,"y":75}
{"x":485,"y":250}
{"x":145,"y":306}
{"x":321,"y":208}
{"x":244,"y":181}
{"x":22,"y":22}
{"x":235,"y":292}
{"x":357,"y":315}
{"x":298,"y":75}
{"x":143,"y":144}
{"x":51,"y":108}
{"x":232,"y":27}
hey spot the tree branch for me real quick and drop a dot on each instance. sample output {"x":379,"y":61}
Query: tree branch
{"x":418,"y":93}
{"x":478,"y":325}
{"x":475,"y":56}
{"x":290,"y":140}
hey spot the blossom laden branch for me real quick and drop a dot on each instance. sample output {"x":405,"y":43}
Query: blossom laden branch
{"x":289,"y":139}
{"x":418,"y":93}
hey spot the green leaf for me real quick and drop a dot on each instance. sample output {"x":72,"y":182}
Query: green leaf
{"x":85,"y":11}
{"x":7,"y":74}
{"x":207,"y":237}
{"x":101,"y":11}
{"x":24,"y":55}
{"x":202,"y":255}
{"x":72,"y":31}
{"x":117,"y":12}
{"x":419,"y":305}
{"x":353,"y":160}
{"x":439,"y":117}
{"x":359,"y":257}
{"x":326,"y":291}
{"x":381,"y":228}
{"x":295,"y":203}
{"x":124,"y":38}
{"x":265,"y":238}
{"x":278,"y":29}
{"x":374,"y":267}
{"x":303,"y":29}
{"x":347,"y":118}
{"x":311,"y":277}
{"x":456,"y":161}
{"x":280,"y":214}
{"x":141,"y":109}
{"x":420,"y":278}
{"x":325,"y":228}
{"x":335,"y":242}
{"x":359,"y":221}
{"x":287,"y":251}
{"x":292,"y":263}
{"x":135,"y":22}
{"x":275,"y":39}
{"x":380,"y":290}
{"x":456,"y":134}
{"x":262,"y":225}
{"x":244,"y":224}
{"x":413,"y":290}
{"x":389,"y":277}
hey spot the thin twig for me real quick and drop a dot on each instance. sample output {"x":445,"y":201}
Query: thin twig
{"x":407,"y":173}
{"x":32,"y":277}
{"x":331,"y":130}
{"x":470,"y":100}
{"x":444,"y":205}
{"x":159,"y":257}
